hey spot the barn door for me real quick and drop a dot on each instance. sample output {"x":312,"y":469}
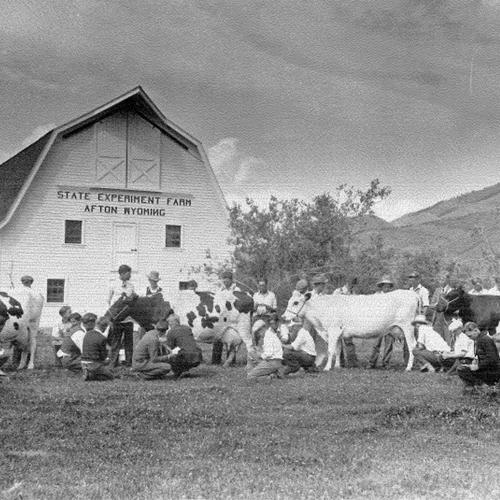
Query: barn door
{"x":143,"y":154}
{"x":125,"y":245}
{"x":111,"y":154}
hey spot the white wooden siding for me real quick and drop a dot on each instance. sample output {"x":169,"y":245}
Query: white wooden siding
{"x":34,"y":242}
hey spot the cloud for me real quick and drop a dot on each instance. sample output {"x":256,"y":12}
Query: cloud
{"x":232,"y":166}
{"x":392,"y":208}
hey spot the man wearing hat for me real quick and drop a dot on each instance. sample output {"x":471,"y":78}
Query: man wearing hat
{"x":385,"y":285}
{"x":300,"y":353}
{"x":430,"y":346}
{"x":146,"y":360}
{"x":319,"y":283}
{"x":420,"y":290}
{"x":123,"y":332}
{"x":153,"y":288}
{"x":271,"y":355}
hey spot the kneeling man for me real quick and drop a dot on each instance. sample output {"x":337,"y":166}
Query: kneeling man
{"x":146,"y":360}
{"x":267,"y":360}
{"x":94,"y":351}
{"x":185,"y":353}
{"x":301,"y":353}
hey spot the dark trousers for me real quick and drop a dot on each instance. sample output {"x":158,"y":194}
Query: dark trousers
{"x":121,"y":334}
{"x":478,"y":377}
{"x":217,"y":349}
{"x":348,"y":356}
{"x":56,"y":358}
{"x":184,"y":361}
{"x":96,"y":370}
{"x":388,"y":341}
{"x":294,"y":360}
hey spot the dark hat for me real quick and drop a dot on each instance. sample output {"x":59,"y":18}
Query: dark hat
{"x":124,"y":268}
{"x":27,"y":277}
{"x":89,"y":317}
{"x":227,"y":274}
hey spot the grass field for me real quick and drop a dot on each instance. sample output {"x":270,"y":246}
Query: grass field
{"x":354,"y":433}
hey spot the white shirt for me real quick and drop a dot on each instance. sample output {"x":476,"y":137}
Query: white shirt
{"x":119,"y":287}
{"x":264,"y":299}
{"x":431,"y":339}
{"x":271,"y":346}
{"x":464,"y":343}
{"x":423,"y":294}
{"x":304,"y":342}
{"x":494,"y":291}
{"x":77,"y":338}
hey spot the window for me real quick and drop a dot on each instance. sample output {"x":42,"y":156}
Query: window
{"x":55,"y":290}
{"x":183,"y":285}
{"x":173,"y":236}
{"x":73,"y":231}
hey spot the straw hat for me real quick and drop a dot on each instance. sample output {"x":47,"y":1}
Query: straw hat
{"x":153,"y":276}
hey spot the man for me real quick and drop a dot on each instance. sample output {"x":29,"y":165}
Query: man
{"x":123,"y":332}
{"x":463,"y":350}
{"x":495,"y":290}
{"x":94,"y":352}
{"x":421,"y":291}
{"x":267,"y":360}
{"x":300,"y":353}
{"x":385,"y":285}
{"x":228,"y":316}
{"x":59,"y":331}
{"x":485,"y":367}
{"x":430,"y":347}
{"x":70,"y":352}
{"x":319,"y":284}
{"x":153,"y":288}
{"x":146,"y":361}
{"x":185,"y":352}
{"x":264,"y":300}
{"x":477,"y":287}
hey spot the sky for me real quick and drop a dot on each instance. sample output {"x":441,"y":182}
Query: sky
{"x":289,"y":97}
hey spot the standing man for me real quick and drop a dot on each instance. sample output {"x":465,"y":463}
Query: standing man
{"x":153,"y":288}
{"x":264,"y":301}
{"x":94,"y":352}
{"x":319,"y":284}
{"x":123,"y":332}
{"x":185,"y":353}
{"x":421,"y":291}
{"x":147,"y":362}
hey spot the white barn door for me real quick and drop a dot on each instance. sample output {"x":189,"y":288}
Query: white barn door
{"x":125,"y":245}
{"x":144,"y":142}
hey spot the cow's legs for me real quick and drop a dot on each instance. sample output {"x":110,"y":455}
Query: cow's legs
{"x":33,"y":332}
{"x":333,"y":339}
{"x":411,"y":343}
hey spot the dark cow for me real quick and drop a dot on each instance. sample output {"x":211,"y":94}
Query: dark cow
{"x":146,"y":311}
{"x":482,"y":309}
{"x":13,"y":328}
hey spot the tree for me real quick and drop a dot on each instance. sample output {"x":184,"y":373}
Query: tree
{"x":293,"y":236}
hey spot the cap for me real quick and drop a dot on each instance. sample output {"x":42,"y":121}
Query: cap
{"x":385,"y":280}
{"x":27,"y":277}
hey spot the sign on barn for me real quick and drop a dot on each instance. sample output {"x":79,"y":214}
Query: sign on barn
{"x":119,"y":185}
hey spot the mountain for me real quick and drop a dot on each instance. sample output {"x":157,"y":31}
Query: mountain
{"x":464,"y":228}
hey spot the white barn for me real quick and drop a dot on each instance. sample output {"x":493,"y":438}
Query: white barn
{"x":119,"y":185}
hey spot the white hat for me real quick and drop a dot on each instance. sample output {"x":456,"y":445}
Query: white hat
{"x":420,"y":319}
{"x":258,"y":325}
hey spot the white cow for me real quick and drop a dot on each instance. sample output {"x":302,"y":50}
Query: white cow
{"x":361,"y":316}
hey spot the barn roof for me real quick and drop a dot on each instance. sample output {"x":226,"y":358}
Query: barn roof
{"x":17,"y":173}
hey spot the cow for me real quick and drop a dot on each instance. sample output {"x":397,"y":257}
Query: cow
{"x":361,"y":316}
{"x":145,"y":311}
{"x":14,"y":332}
{"x":209,"y":325}
{"x":482,"y":309}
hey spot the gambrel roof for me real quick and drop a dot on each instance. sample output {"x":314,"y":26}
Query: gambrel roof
{"x":17,"y":173}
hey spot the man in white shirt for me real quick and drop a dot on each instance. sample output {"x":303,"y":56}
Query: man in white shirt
{"x":300,"y":353}
{"x":319,"y":285}
{"x":264,"y":301}
{"x":270,"y":360}
{"x":462,"y":351}
{"x":430,"y":345}
{"x":123,"y":332}
{"x":421,"y":291}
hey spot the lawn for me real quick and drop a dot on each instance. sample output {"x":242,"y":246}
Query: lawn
{"x":353,"y":433}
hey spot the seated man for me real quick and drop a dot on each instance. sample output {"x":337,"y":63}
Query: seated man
{"x":430,"y":345}
{"x":146,"y":360}
{"x":185,"y":352}
{"x":266,"y":360}
{"x":300,"y":353}
{"x":485,"y":367}
{"x":70,"y":352}
{"x":463,"y":350}
{"x":94,"y":352}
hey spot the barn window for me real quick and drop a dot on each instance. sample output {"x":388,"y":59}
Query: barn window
{"x":184,"y":285}
{"x":55,"y":290}
{"x":172,"y":236}
{"x":73,"y":231}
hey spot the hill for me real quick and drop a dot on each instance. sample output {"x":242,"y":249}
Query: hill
{"x":458,"y":228}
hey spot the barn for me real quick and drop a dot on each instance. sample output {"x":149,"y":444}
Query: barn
{"x":121,"y":184}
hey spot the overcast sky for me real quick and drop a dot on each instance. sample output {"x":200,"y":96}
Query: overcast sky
{"x":288,"y":97}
